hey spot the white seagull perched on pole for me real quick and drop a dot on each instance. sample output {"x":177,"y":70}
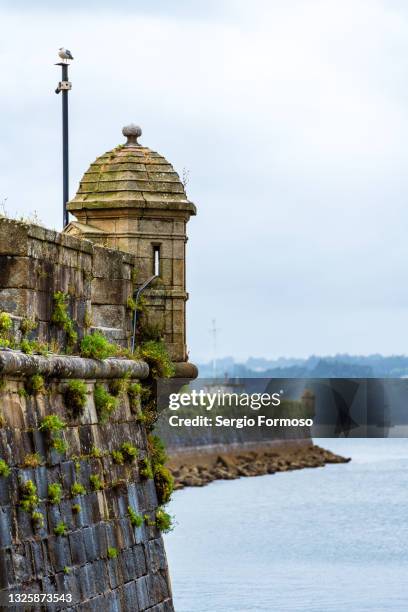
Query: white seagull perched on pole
{"x":65,"y":54}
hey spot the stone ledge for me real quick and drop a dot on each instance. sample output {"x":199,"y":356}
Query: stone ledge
{"x":185,"y":369}
{"x":64,"y":366}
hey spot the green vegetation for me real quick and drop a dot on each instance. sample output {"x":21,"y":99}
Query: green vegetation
{"x":157,"y":450}
{"x":163,"y":520}
{"x":67,"y":570}
{"x":38,"y":519}
{"x":129,"y":451}
{"x":105,"y":403}
{"x":88,"y":318}
{"x":35,"y":384}
{"x":29,"y":497}
{"x":131,"y":304}
{"x":148,"y":521}
{"x":135,"y":518}
{"x":54,"y":493}
{"x":78,"y":489}
{"x":53,"y":426}
{"x":156,"y":355}
{"x":119,"y":386}
{"x":96,"y":483}
{"x":2,"y":417}
{"x":4,"y":469}
{"x":61,"y":529}
{"x":164,"y":482}
{"x":75,"y":396}
{"x":135,"y":391}
{"x":145,"y":469}
{"x":27,"y":325}
{"x":34,"y":346}
{"x":96,"y":452}
{"x":76,"y":508}
{"x":112,"y":552}
{"x":118,"y":457}
{"x":32,"y":460}
{"x":61,"y":318}
{"x":6,"y":328}
{"x":6,"y":322}
{"x":163,"y":478}
{"x":59,"y":445}
{"x":96,"y":346}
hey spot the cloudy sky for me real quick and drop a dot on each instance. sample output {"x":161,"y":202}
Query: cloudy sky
{"x":291,"y":117}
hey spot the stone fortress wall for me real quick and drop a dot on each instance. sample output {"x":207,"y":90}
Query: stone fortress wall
{"x":103,"y":560}
{"x":81,"y":499}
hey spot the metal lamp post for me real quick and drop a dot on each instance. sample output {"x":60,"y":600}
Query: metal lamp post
{"x":64,"y":87}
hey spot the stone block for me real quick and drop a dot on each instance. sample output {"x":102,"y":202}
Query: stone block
{"x":132,"y":561}
{"x":129,"y":597}
{"x":157,"y":587}
{"x":101,"y":577}
{"x":41,"y":476}
{"x":107,"y":315}
{"x":156,"y":556}
{"x":24,"y":525}
{"x":77,"y":546}
{"x":59,"y":552}
{"x":110,"y":291}
{"x":142,"y":593}
{"x":86,"y":582}
{"x":67,"y":514}
{"x":112,"y":602}
{"x":5,"y":490}
{"x":114,"y":573}
{"x":5,"y":526}
{"x":100,"y":540}
{"x":178,"y":272}
{"x":126,"y":528}
{"x":91,"y":547}
{"x":7,"y":577}
{"x":110,"y":264}
{"x":68,"y":583}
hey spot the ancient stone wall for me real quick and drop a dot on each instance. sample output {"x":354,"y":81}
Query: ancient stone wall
{"x":79,"y":512}
{"x":84,"y":542}
{"x":35,"y":263}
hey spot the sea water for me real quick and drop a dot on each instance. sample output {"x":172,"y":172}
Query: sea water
{"x":331,"y":539}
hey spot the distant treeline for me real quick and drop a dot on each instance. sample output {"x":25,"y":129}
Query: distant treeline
{"x":338,"y":366}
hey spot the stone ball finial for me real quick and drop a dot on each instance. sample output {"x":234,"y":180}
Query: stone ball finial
{"x":132,"y":133}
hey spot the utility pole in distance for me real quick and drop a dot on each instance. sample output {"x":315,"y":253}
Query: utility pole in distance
{"x":64,"y":87}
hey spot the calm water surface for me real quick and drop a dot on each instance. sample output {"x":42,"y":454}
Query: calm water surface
{"x":330,"y":539}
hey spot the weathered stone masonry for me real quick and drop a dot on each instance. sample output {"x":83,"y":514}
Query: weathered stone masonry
{"x":130,"y":199}
{"x":34,"y":559}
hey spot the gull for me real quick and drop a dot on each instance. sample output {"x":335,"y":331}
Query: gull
{"x":65,"y":54}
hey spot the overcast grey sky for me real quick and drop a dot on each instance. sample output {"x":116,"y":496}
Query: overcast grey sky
{"x":292,"y":118}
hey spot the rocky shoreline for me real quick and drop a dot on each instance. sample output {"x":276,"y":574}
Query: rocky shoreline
{"x":199,"y":469}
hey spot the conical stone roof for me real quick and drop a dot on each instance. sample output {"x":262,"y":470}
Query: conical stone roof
{"x":131,"y":176}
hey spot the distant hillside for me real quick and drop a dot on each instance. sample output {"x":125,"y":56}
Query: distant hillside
{"x":337,"y":366}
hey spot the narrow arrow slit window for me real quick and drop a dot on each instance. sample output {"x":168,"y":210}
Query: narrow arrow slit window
{"x":156,"y":260}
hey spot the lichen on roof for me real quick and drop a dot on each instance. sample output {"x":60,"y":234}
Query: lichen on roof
{"x":130,"y":175}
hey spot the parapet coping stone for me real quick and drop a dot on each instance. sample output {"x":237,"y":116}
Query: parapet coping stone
{"x":67,"y":366}
{"x":66,"y":240}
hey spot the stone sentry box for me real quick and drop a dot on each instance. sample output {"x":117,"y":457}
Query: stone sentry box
{"x":131,"y":199}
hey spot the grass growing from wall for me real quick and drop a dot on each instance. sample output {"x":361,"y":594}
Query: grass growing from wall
{"x":61,"y":318}
{"x":96,"y":346}
{"x":105,"y":403}
{"x":53,"y":426}
{"x":75,"y":396}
